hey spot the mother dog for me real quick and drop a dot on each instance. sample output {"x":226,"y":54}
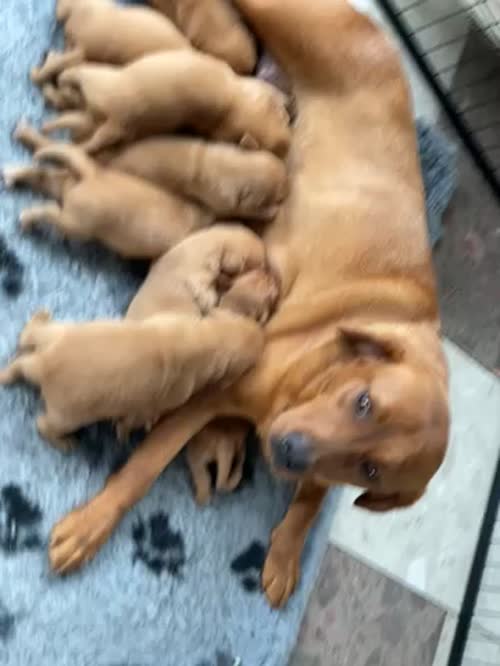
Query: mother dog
{"x":352,"y":385}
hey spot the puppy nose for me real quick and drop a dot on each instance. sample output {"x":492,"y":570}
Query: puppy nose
{"x":291,"y":452}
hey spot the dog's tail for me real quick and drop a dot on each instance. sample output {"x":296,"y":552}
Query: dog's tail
{"x":72,"y":157}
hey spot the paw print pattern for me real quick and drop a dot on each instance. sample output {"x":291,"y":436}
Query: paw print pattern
{"x":7,"y":623}
{"x":248,"y":566}
{"x":18,"y":520}
{"x":221,"y":659}
{"x":158,"y":546}
{"x":11,"y":271}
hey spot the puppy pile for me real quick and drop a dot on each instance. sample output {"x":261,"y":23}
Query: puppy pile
{"x":129,"y":79}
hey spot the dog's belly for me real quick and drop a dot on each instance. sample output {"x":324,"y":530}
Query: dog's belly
{"x":350,"y":191}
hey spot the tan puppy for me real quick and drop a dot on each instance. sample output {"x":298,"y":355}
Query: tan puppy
{"x":108,"y":32}
{"x":125,"y":371}
{"x":128,"y":215}
{"x":165,"y":92}
{"x":229,"y":181}
{"x":352,"y":385}
{"x":213,"y":26}
{"x":224,"y":266}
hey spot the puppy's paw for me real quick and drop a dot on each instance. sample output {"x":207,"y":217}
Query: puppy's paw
{"x":27,"y":135}
{"x":26,"y":220}
{"x":221,"y":446}
{"x":41,"y":316}
{"x":9,"y":175}
{"x":252,"y":295}
{"x":279,"y":577}
{"x":35,"y":75}
{"x":77,"y":537}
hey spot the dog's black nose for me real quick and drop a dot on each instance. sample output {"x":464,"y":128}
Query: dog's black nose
{"x":291,"y":452}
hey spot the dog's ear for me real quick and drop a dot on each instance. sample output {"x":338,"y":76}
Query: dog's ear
{"x":369,"y":343}
{"x":379,"y":502}
{"x":249,"y":142}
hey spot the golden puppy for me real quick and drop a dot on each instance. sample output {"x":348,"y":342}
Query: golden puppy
{"x":213,"y":26}
{"x":127,"y":371}
{"x":175,"y":90}
{"x":352,"y":384}
{"x":224,"y":266}
{"x":128,"y":215}
{"x":108,"y":32}
{"x":231,"y":182}
{"x":228,"y":180}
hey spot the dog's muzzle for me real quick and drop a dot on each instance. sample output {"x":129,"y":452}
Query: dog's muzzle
{"x":291,"y":452}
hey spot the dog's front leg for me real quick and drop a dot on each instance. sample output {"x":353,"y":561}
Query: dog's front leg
{"x":77,"y":537}
{"x":282,"y":567}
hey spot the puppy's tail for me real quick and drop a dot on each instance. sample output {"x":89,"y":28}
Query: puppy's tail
{"x":72,"y":157}
{"x":94,"y":83}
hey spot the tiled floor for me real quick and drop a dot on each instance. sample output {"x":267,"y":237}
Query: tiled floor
{"x":429,"y":548}
{"x":358,"y":617}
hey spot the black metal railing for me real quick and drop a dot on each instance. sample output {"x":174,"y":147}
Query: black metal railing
{"x":460,"y":60}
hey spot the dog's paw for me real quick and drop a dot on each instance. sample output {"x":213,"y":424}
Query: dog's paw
{"x":279,"y":577}
{"x":76,"y":538}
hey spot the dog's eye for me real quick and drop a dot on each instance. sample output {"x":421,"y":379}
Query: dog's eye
{"x":363,"y":405}
{"x":369,"y":470}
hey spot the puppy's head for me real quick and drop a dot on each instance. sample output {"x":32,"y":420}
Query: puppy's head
{"x":263,"y":117}
{"x":259,"y":197}
{"x":365,"y":415}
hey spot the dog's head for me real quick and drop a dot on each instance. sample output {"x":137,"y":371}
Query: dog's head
{"x":364,"y":413}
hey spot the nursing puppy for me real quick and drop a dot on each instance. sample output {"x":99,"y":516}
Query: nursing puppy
{"x":103,"y":31}
{"x":352,"y":385}
{"x":166,"y":92}
{"x":171,"y":343}
{"x":213,"y":26}
{"x":125,"y":213}
{"x":129,"y":372}
{"x":224,"y":266}
{"x":231,"y":182}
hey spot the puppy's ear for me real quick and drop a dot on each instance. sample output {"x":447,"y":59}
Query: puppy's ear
{"x":249,"y":142}
{"x":369,"y":343}
{"x":379,"y":502}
